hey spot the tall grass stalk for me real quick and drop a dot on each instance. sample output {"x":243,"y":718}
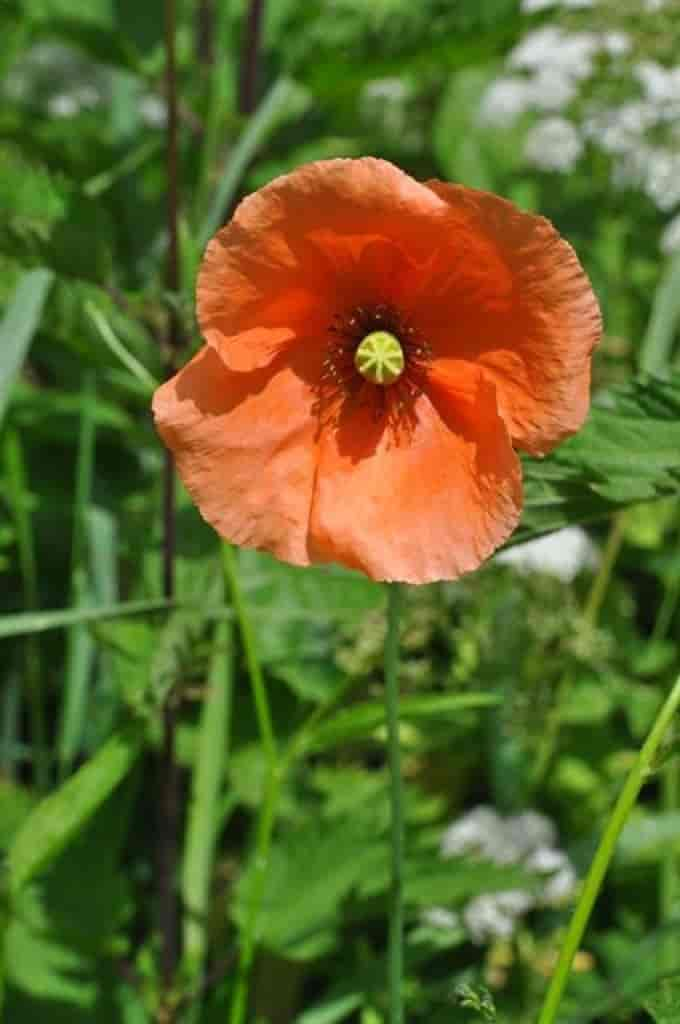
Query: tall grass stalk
{"x":641,"y":771}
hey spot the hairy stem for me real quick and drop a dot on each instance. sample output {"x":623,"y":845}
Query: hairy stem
{"x":396,"y":906}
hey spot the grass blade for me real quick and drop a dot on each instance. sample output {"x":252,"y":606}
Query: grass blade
{"x":657,"y":344}
{"x":102,"y":546}
{"x":279,"y":101}
{"x":65,"y":618}
{"x":113,"y":342}
{"x":18,"y":326}
{"x":204,"y":813}
{"x":80,"y":647}
{"x":19,"y":500}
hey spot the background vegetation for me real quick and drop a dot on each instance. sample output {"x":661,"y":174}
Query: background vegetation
{"x":130,"y":741}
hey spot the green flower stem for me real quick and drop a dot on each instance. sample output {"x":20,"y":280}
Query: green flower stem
{"x":267,"y":817}
{"x":259,"y":690}
{"x":589,"y":616}
{"x":612,"y":548}
{"x":638,"y":775}
{"x":396,"y":908}
{"x":265,"y":827}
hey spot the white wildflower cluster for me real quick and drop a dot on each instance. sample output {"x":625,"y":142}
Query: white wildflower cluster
{"x":627,"y":132}
{"x":58,"y":78}
{"x":529,"y":840}
{"x":531,"y":6}
{"x":562,"y":554}
{"x":547,"y":71}
{"x":670,"y":239}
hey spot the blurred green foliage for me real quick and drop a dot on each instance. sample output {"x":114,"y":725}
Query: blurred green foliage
{"x":521,"y":688}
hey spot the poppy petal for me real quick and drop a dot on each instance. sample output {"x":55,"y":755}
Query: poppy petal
{"x":507,"y":293}
{"x":427,"y":501}
{"x":309,"y":245}
{"x":245,"y":449}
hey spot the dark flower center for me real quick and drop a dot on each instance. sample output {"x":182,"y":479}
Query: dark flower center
{"x":374,"y":356}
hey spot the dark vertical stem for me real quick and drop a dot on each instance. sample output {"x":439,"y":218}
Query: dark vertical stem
{"x":247,"y":100}
{"x":205,"y":32}
{"x":169,"y":795}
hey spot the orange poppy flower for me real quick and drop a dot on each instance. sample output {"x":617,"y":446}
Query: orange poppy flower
{"x":376,"y":347}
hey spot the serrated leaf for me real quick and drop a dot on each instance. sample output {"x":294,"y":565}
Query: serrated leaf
{"x":628,"y":451}
{"x":61,"y":816}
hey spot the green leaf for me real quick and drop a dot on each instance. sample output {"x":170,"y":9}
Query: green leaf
{"x":63,"y":926}
{"x":647,"y":837}
{"x":58,"y":819}
{"x":664,"y":1005}
{"x":18,"y":326}
{"x":331,"y":1010}
{"x":311,"y":871}
{"x":628,"y":451}
{"x":359,"y":721}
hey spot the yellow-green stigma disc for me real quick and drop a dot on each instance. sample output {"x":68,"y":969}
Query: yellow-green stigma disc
{"x":380,"y":358}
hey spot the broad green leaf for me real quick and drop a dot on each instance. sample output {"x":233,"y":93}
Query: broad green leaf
{"x":60,"y":817}
{"x":664,"y":1005}
{"x":647,"y":837}
{"x":62,"y":927}
{"x":18,"y":325}
{"x":628,"y":452}
{"x":359,"y":721}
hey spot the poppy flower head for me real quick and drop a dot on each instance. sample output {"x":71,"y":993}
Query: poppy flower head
{"x":376,"y":349}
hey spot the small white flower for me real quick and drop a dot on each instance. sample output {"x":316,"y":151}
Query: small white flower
{"x":529,"y":839}
{"x":505,"y":99}
{"x":660,"y":85}
{"x":485,"y":919}
{"x":562,"y":882}
{"x":562,"y":554}
{"x":615,"y":43}
{"x":670,"y":239}
{"x":479,"y":831}
{"x":662,"y":178}
{"x":553,"y":144}
{"x":552,"y":88}
{"x":440,"y":917}
{"x":530,"y":6}
{"x":551,"y":46}
{"x":153,"y":110}
{"x":63,"y":104}
{"x":530,"y":830}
